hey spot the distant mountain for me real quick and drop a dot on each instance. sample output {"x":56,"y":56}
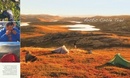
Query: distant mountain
{"x":51,"y":18}
{"x":37,"y":18}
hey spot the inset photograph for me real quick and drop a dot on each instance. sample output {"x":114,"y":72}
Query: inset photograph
{"x":9,"y":10}
{"x":10,"y":31}
{"x":9,"y":52}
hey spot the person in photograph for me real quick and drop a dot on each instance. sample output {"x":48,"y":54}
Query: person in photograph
{"x":8,"y":14}
{"x":9,"y":33}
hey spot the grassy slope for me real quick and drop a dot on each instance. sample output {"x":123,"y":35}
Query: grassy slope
{"x":38,"y":30}
{"x":52,"y":37}
{"x":76,"y":64}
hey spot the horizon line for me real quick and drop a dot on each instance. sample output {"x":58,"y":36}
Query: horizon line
{"x":80,"y":15}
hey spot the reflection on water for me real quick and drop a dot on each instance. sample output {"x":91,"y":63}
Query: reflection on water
{"x":24,"y":24}
{"x":81,"y":27}
{"x":77,"y":27}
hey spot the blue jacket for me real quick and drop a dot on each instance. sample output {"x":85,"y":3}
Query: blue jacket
{"x":4,"y":37}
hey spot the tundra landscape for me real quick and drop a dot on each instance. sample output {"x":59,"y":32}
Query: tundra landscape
{"x":107,"y":36}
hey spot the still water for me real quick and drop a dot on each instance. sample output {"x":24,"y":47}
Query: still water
{"x":81,"y":27}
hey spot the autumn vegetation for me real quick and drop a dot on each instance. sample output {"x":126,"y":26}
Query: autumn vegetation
{"x":40,"y":39}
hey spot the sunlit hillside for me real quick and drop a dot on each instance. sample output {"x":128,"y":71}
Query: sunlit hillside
{"x":43,"y":35}
{"x":76,"y":64}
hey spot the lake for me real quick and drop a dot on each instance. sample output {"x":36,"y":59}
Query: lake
{"x":81,"y":27}
{"x":24,"y":24}
{"x":76,"y":27}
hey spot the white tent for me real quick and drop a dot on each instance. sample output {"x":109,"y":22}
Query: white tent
{"x":61,"y":50}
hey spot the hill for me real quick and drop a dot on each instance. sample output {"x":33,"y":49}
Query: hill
{"x":37,"y":18}
{"x":41,"y":37}
{"x":76,"y":64}
{"x":110,"y":31}
{"x":111,"y":24}
{"x":82,"y":40}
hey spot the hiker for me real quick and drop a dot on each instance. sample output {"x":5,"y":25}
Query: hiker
{"x":29,"y":57}
{"x":15,"y":27}
{"x":75,"y":46}
{"x":9,"y":33}
{"x":7,"y":14}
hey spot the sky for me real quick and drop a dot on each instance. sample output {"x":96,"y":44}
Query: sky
{"x":76,"y":7}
